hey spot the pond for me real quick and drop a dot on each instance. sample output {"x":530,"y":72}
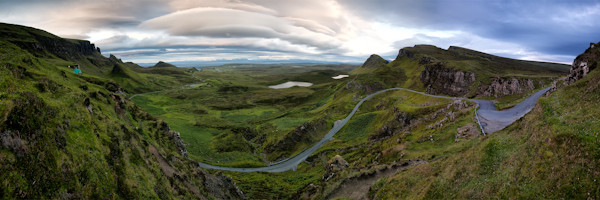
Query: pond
{"x":341,"y":76}
{"x":290,"y":84}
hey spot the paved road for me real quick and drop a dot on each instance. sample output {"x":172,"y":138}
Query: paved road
{"x":491,"y":120}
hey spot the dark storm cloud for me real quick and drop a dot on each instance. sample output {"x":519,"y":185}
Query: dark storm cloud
{"x":553,"y":27}
{"x":318,"y":29}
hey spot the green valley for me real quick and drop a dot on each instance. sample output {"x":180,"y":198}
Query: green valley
{"x":408,"y":128}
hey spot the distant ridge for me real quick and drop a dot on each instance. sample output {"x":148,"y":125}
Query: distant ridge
{"x":163,"y":64}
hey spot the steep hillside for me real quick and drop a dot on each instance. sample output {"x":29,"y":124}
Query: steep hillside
{"x":460,"y":72}
{"x":71,"y":136}
{"x":65,"y":52}
{"x":552,"y":153}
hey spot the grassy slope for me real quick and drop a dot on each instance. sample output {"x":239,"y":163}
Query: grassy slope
{"x":209,"y":115}
{"x":405,"y":71}
{"x":37,"y":42}
{"x":551,"y":153}
{"x":53,"y":147}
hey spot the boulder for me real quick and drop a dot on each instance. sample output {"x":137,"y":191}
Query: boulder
{"x":335,"y":165}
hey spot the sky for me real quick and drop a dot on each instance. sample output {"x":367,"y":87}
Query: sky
{"x":345,"y":31}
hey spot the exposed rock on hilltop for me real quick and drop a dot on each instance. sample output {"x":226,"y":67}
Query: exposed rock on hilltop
{"x":404,"y":52}
{"x":440,"y":80}
{"x":584,"y":63}
{"x":375,"y":61}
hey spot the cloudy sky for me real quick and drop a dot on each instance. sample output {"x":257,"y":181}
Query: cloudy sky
{"x":146,"y":31}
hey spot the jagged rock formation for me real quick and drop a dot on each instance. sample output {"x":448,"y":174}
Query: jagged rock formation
{"x":374,"y":61}
{"x":400,"y":122}
{"x":441,"y":80}
{"x":501,"y":86}
{"x":334,"y":166}
{"x":470,"y":130}
{"x":404,"y":52}
{"x":584,"y":63}
{"x":39,"y":42}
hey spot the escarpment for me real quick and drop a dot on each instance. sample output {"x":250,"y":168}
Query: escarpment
{"x":584,"y":63}
{"x":501,"y":86}
{"x":40,"y":43}
{"x":441,"y":80}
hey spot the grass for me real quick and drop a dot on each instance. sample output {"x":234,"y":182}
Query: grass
{"x":82,"y":154}
{"x":235,"y":99}
{"x":551,"y":153}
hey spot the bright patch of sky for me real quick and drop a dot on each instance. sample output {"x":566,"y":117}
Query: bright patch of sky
{"x":147,"y":31}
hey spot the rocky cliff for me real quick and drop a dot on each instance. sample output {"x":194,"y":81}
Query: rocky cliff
{"x":584,"y":63}
{"x":501,"y":86}
{"x":40,"y":43}
{"x":439,"y":79}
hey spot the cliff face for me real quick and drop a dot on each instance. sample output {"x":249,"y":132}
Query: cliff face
{"x":584,"y":63}
{"x":441,"y":80}
{"x":40,"y":43}
{"x":506,"y":86}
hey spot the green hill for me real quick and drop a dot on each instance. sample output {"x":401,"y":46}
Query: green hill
{"x":70,"y":136}
{"x":552,"y":153}
{"x":460,"y":72}
{"x":164,"y":64}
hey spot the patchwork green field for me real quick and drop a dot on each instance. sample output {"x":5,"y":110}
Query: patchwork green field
{"x":232,"y":118}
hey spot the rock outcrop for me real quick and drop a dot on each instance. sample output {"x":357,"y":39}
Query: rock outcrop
{"x":470,"y":130}
{"x":173,"y":136}
{"x":38,"y":42}
{"x":375,"y":61}
{"x":302,"y":134}
{"x":221,"y":186}
{"x":441,"y":80}
{"x":584,"y":63}
{"x":403,"y":52}
{"x":400,"y":122}
{"x":335,"y":165}
{"x":501,"y":86}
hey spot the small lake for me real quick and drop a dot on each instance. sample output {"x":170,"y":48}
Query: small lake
{"x":341,"y":76}
{"x":290,"y":84}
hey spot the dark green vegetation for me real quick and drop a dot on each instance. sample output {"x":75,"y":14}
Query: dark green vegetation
{"x":460,"y":72}
{"x":230,"y":117}
{"x":76,"y":136}
{"x":552,"y":153}
{"x":233,"y":119}
{"x":69,"y":136}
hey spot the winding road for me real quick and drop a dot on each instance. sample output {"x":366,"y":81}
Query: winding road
{"x":488,"y":118}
